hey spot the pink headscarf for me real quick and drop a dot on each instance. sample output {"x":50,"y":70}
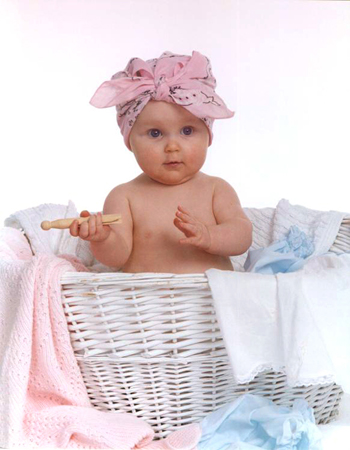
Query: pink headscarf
{"x":187,"y":81}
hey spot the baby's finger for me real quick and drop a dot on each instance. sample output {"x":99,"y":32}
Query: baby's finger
{"x":102,"y":231}
{"x":189,"y":227}
{"x":85,"y":213}
{"x":92,"y":225}
{"x":184,"y":210}
{"x":74,"y":228}
{"x":185,"y":217}
{"x":179,"y":223}
{"x":99,"y":224}
{"x":189,"y":241}
{"x":84,"y":230}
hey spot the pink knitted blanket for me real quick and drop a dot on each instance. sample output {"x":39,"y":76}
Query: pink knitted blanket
{"x":43,"y":400}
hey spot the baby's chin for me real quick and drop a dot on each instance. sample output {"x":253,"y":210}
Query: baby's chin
{"x":171,"y":181}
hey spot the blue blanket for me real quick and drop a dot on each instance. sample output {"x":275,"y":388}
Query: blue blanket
{"x":285,"y":255}
{"x":252,"y":422}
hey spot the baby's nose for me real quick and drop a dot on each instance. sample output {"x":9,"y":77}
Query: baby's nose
{"x":172,"y":146}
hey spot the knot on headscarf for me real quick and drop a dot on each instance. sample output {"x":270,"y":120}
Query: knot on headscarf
{"x":184,"y":80}
{"x":162,"y":89}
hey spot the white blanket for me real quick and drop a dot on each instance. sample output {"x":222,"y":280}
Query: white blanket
{"x":272,"y":224}
{"x":321,"y":226}
{"x":297,"y":323}
{"x":55,"y":241}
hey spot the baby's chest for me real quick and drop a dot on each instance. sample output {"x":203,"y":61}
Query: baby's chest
{"x":154,"y":214}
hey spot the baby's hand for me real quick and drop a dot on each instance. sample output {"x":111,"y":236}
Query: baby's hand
{"x":92,"y":229}
{"x":196,"y":232}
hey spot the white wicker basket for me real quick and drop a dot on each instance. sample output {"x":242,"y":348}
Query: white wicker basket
{"x":150,"y":344}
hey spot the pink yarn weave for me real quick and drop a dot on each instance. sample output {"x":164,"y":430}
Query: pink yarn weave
{"x":43,"y":398}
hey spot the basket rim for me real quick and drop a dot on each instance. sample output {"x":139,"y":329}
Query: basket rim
{"x":155,"y":277}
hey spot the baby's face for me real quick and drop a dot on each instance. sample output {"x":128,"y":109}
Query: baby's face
{"x":169,"y":143}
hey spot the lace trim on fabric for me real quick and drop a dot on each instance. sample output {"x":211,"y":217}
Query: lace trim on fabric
{"x":325,"y":379}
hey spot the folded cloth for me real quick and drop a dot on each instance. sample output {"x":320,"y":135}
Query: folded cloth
{"x":254,"y":422}
{"x":285,"y":255}
{"x":51,"y":242}
{"x":43,"y":399}
{"x":55,"y":241}
{"x":281,"y":321}
{"x":272,"y":224}
{"x":321,"y":226}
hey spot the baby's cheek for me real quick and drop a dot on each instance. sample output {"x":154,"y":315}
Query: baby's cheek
{"x":197,"y":159}
{"x":146,"y":160}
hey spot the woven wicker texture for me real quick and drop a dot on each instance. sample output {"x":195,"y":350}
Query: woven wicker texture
{"x":150,"y":344}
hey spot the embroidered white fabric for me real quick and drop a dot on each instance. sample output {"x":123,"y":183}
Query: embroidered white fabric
{"x":321,"y":226}
{"x":296,"y":323}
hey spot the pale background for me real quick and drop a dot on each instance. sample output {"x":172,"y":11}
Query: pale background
{"x":283,"y":66}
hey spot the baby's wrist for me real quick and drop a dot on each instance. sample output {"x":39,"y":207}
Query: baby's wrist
{"x":101,"y":240}
{"x":207,"y":239}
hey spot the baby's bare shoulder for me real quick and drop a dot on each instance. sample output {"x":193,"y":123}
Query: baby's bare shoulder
{"x":223,"y":192}
{"x":220,"y":181}
{"x":123,"y":190}
{"x":118,"y":199}
{"x":217,"y":183}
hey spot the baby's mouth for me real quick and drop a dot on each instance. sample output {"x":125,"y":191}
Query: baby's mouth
{"x":173,"y":163}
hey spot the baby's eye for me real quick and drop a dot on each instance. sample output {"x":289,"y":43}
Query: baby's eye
{"x":154,"y":133}
{"x":187,"y":130}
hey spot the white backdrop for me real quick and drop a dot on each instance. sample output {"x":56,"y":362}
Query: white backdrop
{"x":283,"y":66}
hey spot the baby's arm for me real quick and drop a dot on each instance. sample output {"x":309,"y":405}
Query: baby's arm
{"x":110,"y":244}
{"x":116,"y":249}
{"x":232,"y":235}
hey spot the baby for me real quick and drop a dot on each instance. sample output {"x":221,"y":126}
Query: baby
{"x":175,"y":218}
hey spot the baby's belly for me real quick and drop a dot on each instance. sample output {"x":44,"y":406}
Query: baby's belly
{"x":169,"y":256}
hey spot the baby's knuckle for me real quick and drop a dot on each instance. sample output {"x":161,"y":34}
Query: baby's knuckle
{"x":84,"y":230}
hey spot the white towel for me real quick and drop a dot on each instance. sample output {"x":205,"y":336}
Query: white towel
{"x":51,"y":242}
{"x":296,"y":323}
{"x":321,"y":226}
{"x":54,"y":242}
{"x":272,"y":224}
